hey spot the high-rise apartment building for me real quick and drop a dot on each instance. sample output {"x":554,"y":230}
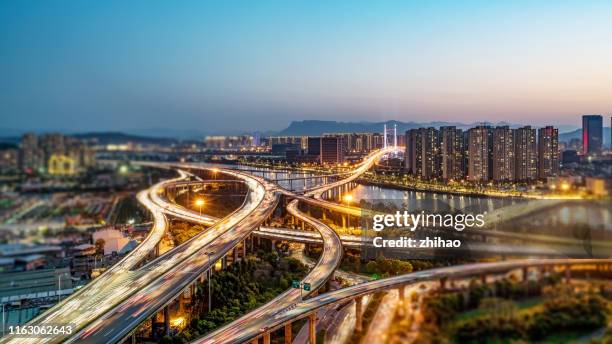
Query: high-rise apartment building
{"x":479,"y":154}
{"x":548,"y":152}
{"x":414,"y":152}
{"x":525,"y":150}
{"x":452,"y":151}
{"x":592,"y":134}
{"x":430,"y":150}
{"x":503,"y":154}
{"x":30,"y":156}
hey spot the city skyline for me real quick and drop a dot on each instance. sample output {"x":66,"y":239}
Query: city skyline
{"x":219,"y":67}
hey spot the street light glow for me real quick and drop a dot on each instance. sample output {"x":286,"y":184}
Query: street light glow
{"x":348,"y":198}
{"x":199,"y":202}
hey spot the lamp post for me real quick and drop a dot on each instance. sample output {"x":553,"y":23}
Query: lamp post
{"x":199,"y":203}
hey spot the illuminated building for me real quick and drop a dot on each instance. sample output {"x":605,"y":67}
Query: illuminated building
{"x":479,"y":153}
{"x":430,"y":150}
{"x":525,"y":150}
{"x":452,"y":153}
{"x":331,"y":150}
{"x":548,"y":152}
{"x":414,"y":152}
{"x":503,"y":154}
{"x":61,"y":165}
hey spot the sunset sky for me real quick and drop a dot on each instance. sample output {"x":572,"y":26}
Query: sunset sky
{"x":257,"y":65}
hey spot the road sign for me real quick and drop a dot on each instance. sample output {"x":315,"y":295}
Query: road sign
{"x":295,"y":284}
{"x":307,"y":286}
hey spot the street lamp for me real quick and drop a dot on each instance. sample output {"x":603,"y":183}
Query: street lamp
{"x":199,"y":203}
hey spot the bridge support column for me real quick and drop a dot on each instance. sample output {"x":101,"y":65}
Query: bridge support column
{"x":288,"y":335}
{"x":167,"y":320}
{"x":568,"y":274}
{"x":312,"y":328}
{"x":266,"y":338}
{"x":343,"y":221}
{"x":358,"y":314}
{"x":153,"y":325}
{"x":443,"y":283}
{"x":483,"y":278}
{"x":255,"y":341}
{"x":133,"y":337}
{"x":273,"y":246}
{"x":224,"y":263}
{"x":525,"y":274}
{"x":402,"y":299}
{"x":244,"y":249}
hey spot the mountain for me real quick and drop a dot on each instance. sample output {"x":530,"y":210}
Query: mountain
{"x":117,"y":137}
{"x":577,"y":134}
{"x":297,"y":128}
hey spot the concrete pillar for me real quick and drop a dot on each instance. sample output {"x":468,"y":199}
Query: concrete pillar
{"x":312,"y":328}
{"x":525,"y":274}
{"x":244,"y":249}
{"x":266,"y":338}
{"x":568,"y":274}
{"x":358,"y":314}
{"x":223,"y":263}
{"x":167,"y":320}
{"x":402,"y":299}
{"x":288,"y":335}
{"x":443,"y":283}
{"x":153,"y":326}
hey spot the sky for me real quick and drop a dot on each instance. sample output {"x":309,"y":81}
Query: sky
{"x":230,"y":65}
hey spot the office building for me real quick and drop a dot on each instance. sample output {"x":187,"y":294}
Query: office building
{"x":548,"y":152}
{"x":592,"y":134}
{"x":331,"y":150}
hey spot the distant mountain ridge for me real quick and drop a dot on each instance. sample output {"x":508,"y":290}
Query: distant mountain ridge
{"x":317,"y":127}
{"x":577,"y":134}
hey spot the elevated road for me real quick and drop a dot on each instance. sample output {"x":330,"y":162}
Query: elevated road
{"x":178,"y":268}
{"x":99,"y":295}
{"x":329,"y":261}
{"x":305,"y":308}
